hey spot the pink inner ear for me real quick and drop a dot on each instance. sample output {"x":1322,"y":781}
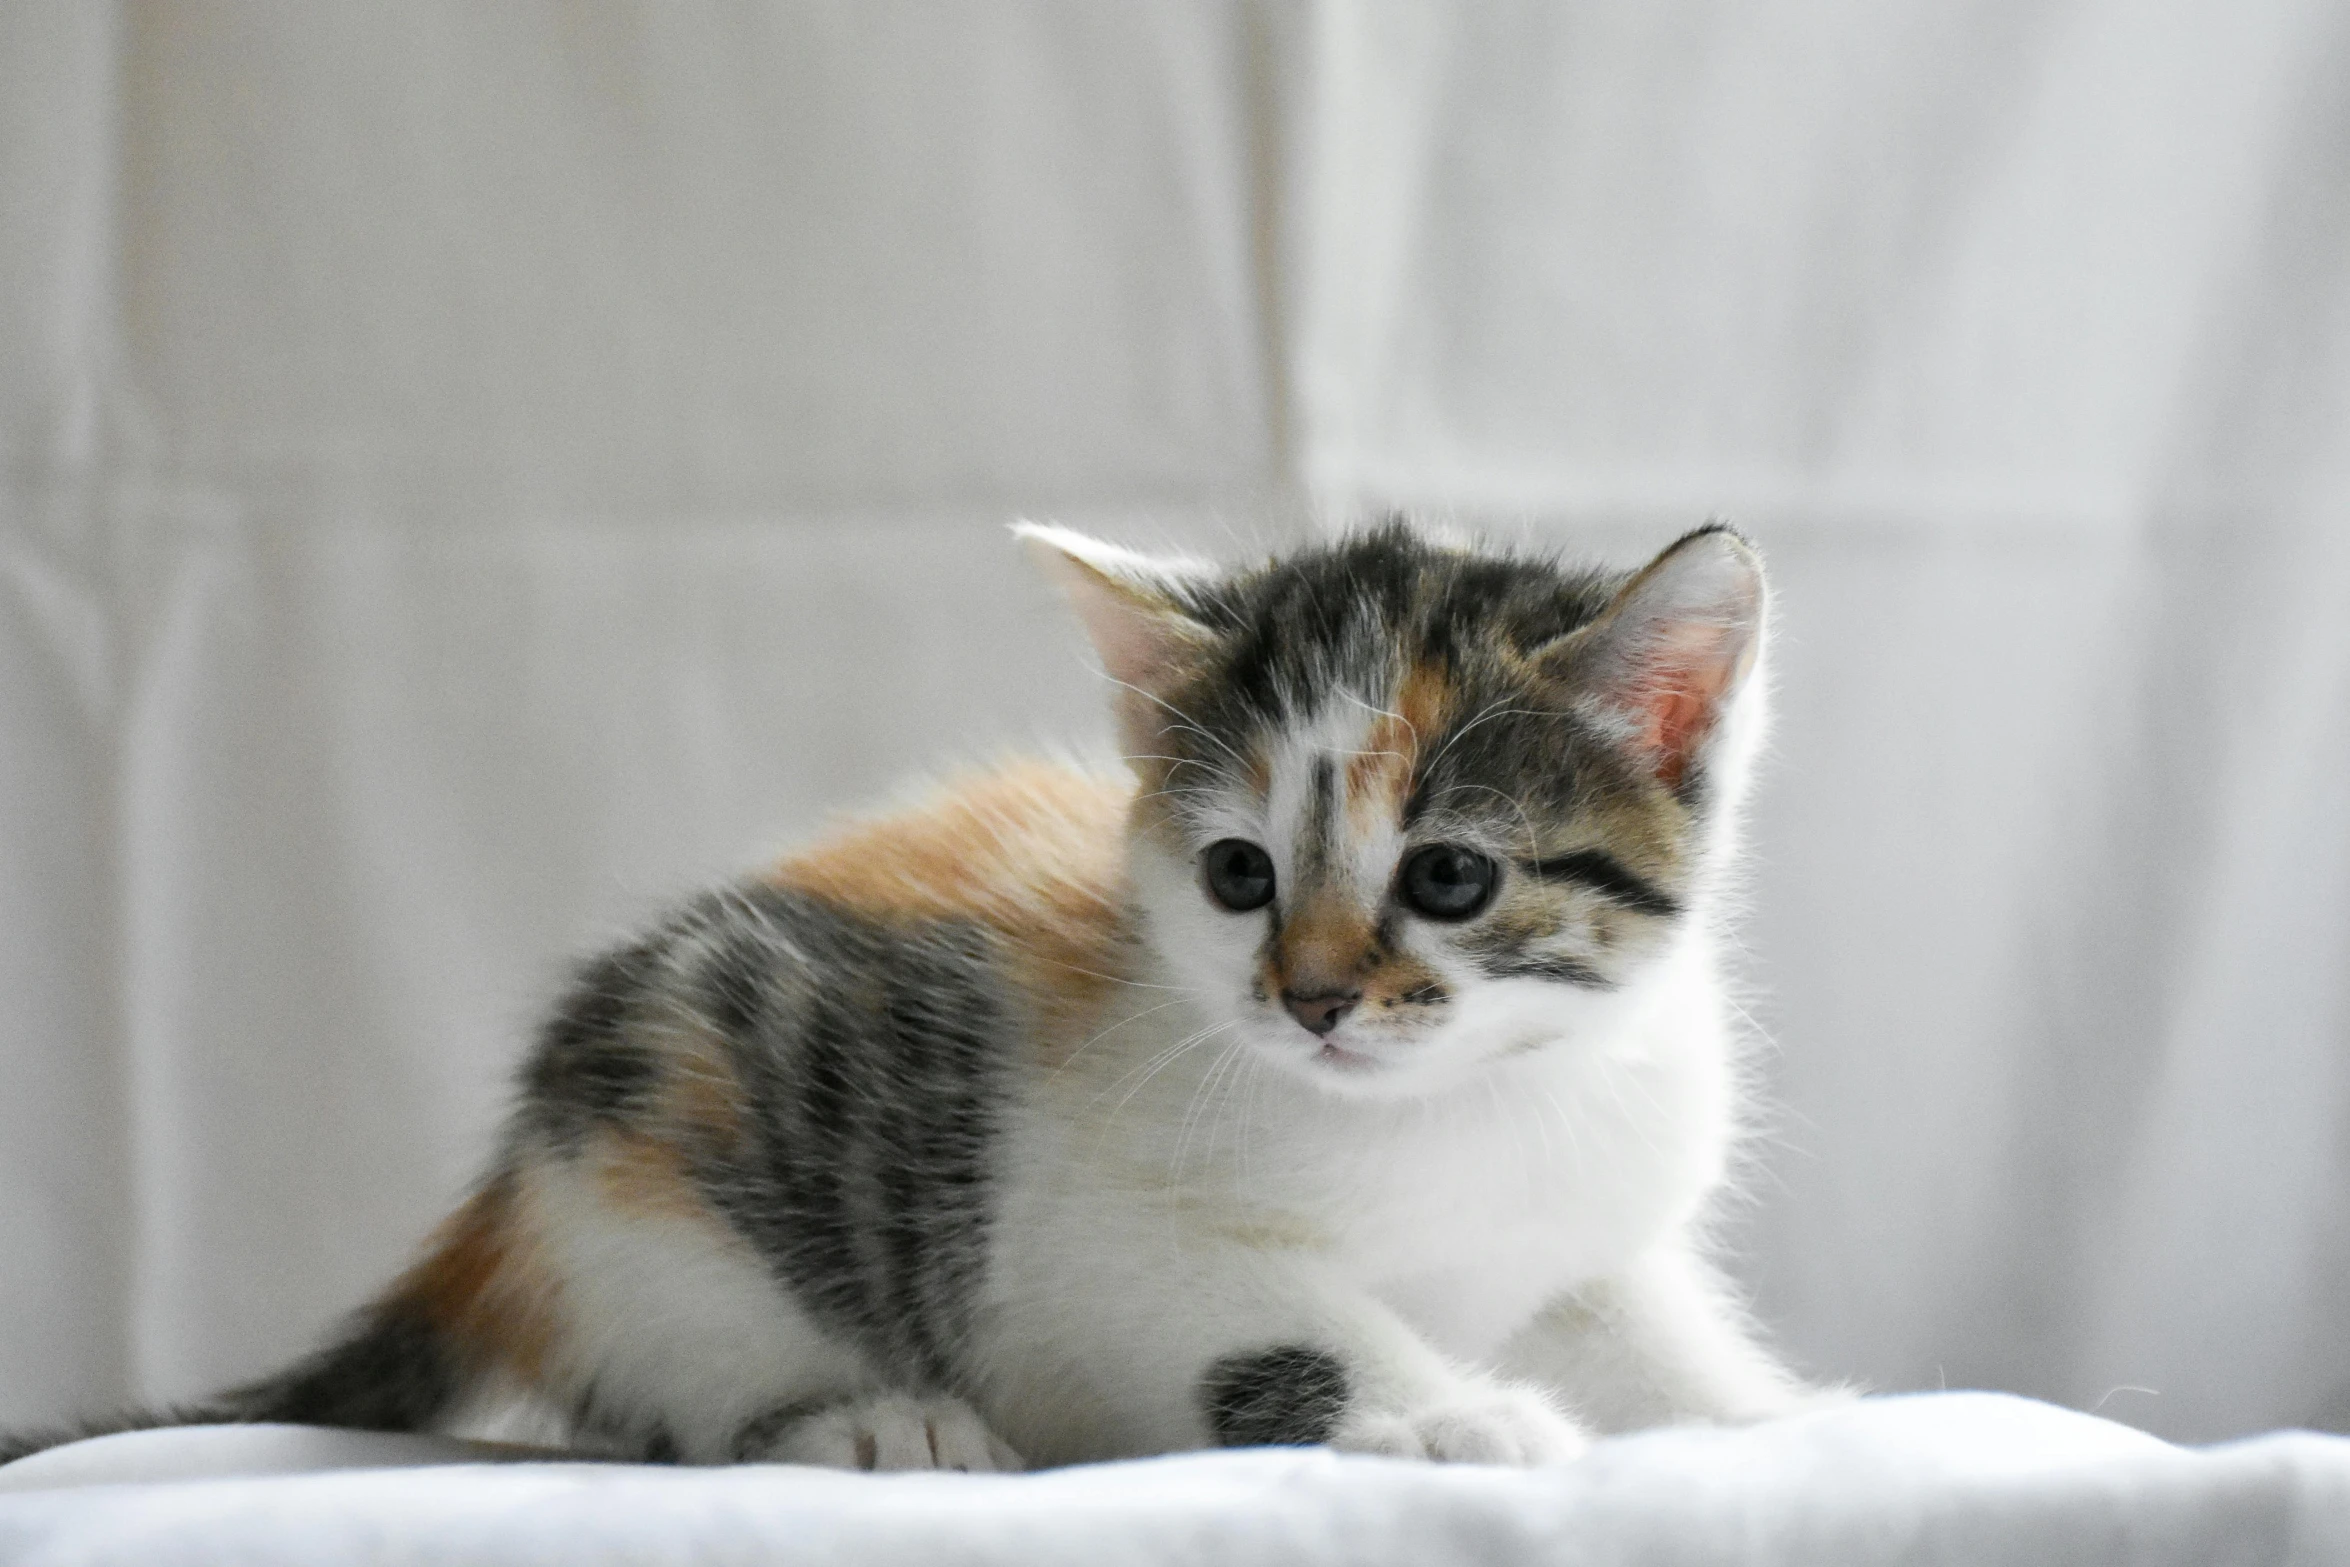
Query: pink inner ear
{"x":1678,"y":718}
{"x":1672,"y":648}
{"x":1689,"y":671}
{"x":1143,"y":640}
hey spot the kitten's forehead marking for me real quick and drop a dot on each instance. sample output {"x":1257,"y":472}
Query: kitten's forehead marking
{"x":1337,"y":787}
{"x":1303,"y":810}
{"x":1316,"y":847}
{"x":1381,"y":774}
{"x":1340,"y":781}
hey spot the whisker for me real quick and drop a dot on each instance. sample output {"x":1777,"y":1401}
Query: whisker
{"x":1496,"y":710}
{"x":1070,"y":1059}
{"x":1158,"y":1064}
{"x":1194,"y":1108}
{"x":1383,"y":713}
{"x":1533,"y":839}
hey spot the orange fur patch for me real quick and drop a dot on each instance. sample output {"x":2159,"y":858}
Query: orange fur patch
{"x":481,"y":1283}
{"x":1033,"y":853}
{"x":1398,"y":977}
{"x":1380,"y":775}
{"x":703,"y":1099}
{"x":1327,"y":944}
{"x":1338,"y":949}
{"x":646,"y":1177}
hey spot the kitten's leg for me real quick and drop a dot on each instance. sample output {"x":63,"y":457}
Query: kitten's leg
{"x":885,"y":1431}
{"x":1206,"y":1346}
{"x":1661,"y":1341}
{"x":1460,"y":1417}
{"x":1332,"y":1366}
{"x":678,"y":1343}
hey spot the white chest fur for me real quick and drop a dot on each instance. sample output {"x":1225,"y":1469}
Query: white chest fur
{"x":1466,"y":1214}
{"x":1463,"y":1212}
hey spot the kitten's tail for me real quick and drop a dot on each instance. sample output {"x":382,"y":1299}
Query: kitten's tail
{"x":388,"y":1372}
{"x":404,"y":1363}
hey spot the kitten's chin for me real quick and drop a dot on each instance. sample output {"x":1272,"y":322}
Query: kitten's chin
{"x":1352,"y":1073}
{"x":1352,"y":1070}
{"x":1340,"y":1059}
{"x":1438,"y":1061}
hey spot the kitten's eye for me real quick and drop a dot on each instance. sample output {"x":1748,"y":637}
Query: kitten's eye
{"x":1240,"y":875}
{"x":1446,"y":883}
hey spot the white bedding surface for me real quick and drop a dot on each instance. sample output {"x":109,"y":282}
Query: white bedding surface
{"x":1961,"y":1478}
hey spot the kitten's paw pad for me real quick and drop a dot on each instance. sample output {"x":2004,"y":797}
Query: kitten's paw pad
{"x":1502,"y":1425}
{"x":893,"y":1431}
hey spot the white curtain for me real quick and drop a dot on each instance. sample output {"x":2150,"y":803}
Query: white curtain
{"x":468,"y":473}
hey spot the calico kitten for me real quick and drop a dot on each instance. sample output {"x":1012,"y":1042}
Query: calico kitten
{"x":1355,"y":1072}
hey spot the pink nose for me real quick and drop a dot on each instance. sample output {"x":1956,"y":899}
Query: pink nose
{"x":1321,"y":1011}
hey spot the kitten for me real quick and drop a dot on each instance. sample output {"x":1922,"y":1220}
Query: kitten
{"x":1356,"y":1072}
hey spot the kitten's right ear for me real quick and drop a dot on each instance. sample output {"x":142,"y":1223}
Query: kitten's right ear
{"x":1132,"y":608}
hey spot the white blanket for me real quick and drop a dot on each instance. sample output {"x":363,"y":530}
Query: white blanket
{"x":1965,"y":1478}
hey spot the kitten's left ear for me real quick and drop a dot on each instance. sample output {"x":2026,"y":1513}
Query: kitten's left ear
{"x":1133,"y":608}
{"x":1666,"y":658}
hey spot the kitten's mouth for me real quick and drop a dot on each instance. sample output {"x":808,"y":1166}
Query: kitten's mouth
{"x":1343,"y":1059}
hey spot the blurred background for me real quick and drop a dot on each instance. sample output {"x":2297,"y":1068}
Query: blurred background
{"x":469,"y":473}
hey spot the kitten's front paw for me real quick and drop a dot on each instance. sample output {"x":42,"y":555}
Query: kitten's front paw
{"x":890,"y":1431}
{"x":1482,"y":1425}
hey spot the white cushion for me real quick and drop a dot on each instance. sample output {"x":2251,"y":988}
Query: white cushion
{"x":1967,"y":1478}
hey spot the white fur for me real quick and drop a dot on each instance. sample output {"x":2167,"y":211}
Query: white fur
{"x":680,"y":1317}
{"x":677,"y":1316}
{"x":1156,"y":1220}
{"x":895,"y":1431}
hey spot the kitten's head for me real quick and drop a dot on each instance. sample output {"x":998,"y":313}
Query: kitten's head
{"x":1408,"y":807}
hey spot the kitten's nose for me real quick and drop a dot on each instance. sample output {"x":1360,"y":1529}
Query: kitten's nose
{"x":1321,"y":1011}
